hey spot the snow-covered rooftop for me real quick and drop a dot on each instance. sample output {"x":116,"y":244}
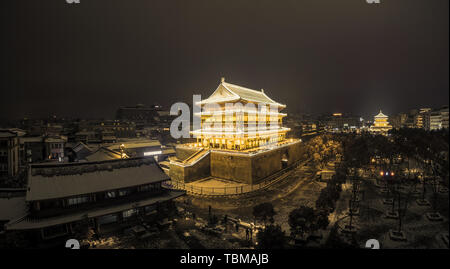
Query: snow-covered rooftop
{"x":65,"y":180}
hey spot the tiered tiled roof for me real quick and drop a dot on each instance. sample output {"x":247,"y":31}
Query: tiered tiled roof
{"x":227,"y":92}
{"x":65,"y":180}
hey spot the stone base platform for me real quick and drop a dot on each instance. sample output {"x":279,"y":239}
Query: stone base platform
{"x":247,"y":167}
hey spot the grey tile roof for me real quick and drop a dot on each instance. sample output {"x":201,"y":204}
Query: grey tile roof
{"x":65,"y":180}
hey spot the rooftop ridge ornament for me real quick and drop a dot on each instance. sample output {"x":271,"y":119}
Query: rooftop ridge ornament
{"x":380,"y":115}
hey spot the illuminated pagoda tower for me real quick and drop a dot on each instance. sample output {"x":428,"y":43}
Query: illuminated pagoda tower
{"x":381,"y":124}
{"x":238,"y":118}
{"x":239,"y":138}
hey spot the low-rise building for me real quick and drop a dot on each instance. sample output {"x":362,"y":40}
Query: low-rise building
{"x":55,"y":148}
{"x":36,"y":149}
{"x":63,"y":199}
{"x":88,"y":137}
{"x":339,"y":122}
{"x":139,"y":114}
{"x":435,"y":120}
{"x":444,"y":117}
{"x":79,"y":151}
{"x":399,"y":121}
{"x":32,"y":149}
{"x":103,"y":154}
{"x":104,"y":131}
{"x":137,"y":147}
{"x":420,"y":118}
{"x":9,"y":153}
{"x":12,"y":205}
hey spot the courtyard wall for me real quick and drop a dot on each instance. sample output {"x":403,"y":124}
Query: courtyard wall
{"x":241,"y":167}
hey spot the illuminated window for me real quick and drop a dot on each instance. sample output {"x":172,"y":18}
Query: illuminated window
{"x":110,"y":194}
{"x":150,"y":153}
{"x":124,"y":192}
{"x":77,"y":200}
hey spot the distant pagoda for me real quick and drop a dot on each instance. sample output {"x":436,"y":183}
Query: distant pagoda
{"x":239,"y":127}
{"x":381,"y":124}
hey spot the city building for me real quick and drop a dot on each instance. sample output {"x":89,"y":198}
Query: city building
{"x":104,"y":154}
{"x":88,"y":137}
{"x":63,"y":199}
{"x":444,"y":117}
{"x":339,"y":122}
{"x":35,"y":149}
{"x":381,"y":124}
{"x":79,"y":152}
{"x":52,"y":129}
{"x":420,"y":118}
{"x":410,"y":121}
{"x":137,"y":147}
{"x":104,"y":131}
{"x":11,"y":205}
{"x":32,"y":149}
{"x":55,"y":148}
{"x":9,"y":153}
{"x":139,"y":114}
{"x":164,"y":119}
{"x":239,"y":151}
{"x":435,"y":120}
{"x":399,"y":121}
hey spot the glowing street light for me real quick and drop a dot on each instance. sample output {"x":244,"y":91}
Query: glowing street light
{"x":122,"y":154}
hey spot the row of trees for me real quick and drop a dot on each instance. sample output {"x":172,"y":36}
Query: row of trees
{"x":427,"y":149}
{"x":272,"y":236}
{"x":305,"y":221}
{"x":360,"y":152}
{"x":322,"y":148}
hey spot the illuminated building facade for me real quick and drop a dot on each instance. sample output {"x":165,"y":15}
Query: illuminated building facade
{"x":339,"y":122}
{"x":381,"y":124}
{"x":238,"y":118}
{"x":9,"y":153}
{"x":240,"y":138}
{"x":419,"y":118}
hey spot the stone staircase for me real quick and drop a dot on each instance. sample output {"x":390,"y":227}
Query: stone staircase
{"x":195,"y":157}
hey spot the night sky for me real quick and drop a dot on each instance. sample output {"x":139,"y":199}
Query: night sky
{"x":86,"y":60}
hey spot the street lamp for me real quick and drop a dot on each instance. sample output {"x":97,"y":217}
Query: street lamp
{"x":122,"y":147}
